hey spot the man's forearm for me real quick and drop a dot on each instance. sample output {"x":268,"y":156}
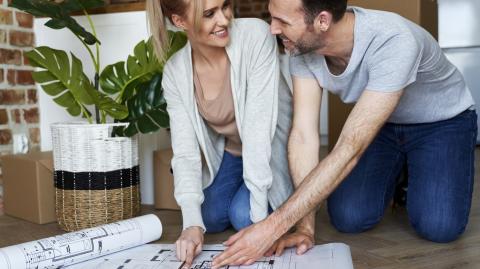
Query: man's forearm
{"x":316,"y":187}
{"x":303,"y":156}
{"x":364,"y":122}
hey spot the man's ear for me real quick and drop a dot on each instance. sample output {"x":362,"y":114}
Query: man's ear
{"x":178,"y":22}
{"x":323,"y":21}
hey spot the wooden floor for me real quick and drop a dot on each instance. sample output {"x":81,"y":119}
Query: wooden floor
{"x":393,"y":244}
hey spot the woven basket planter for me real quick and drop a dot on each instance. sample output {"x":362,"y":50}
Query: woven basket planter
{"x":96,"y":176}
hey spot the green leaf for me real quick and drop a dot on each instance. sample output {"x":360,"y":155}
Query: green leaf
{"x":53,"y":88}
{"x":56,"y":24}
{"x":114,"y":77}
{"x":131,"y":130}
{"x":137,"y":82}
{"x":177,"y":41}
{"x":112,"y":108}
{"x":66,"y":100}
{"x":67,"y":83}
{"x":59,"y":12}
{"x":146,"y":109}
{"x":74,"y":110}
{"x":43,"y":76}
{"x":123,"y":78}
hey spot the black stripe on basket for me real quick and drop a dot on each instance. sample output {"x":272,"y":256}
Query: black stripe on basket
{"x":111,"y":180}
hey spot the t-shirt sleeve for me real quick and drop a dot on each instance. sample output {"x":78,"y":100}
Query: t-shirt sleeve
{"x":394,"y":64}
{"x":299,"y":68}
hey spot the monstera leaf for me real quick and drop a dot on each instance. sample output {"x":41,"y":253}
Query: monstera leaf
{"x":147,"y":109}
{"x":137,"y":84}
{"x":177,"y":41}
{"x":68,"y":84}
{"x":59,"y":11}
{"x":123,"y":78}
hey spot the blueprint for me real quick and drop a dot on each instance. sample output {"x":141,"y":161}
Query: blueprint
{"x":160,"y":256}
{"x":123,"y":245}
{"x":84,"y":245}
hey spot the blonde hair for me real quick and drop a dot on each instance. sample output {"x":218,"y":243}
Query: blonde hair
{"x":158,"y":10}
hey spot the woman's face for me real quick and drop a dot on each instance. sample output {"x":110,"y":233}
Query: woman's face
{"x":213,"y":28}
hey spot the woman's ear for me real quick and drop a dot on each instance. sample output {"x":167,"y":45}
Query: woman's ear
{"x":178,"y":22}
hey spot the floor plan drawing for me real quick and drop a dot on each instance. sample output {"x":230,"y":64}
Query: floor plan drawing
{"x":71,"y":248}
{"x":159,"y":256}
{"x":124,"y":245}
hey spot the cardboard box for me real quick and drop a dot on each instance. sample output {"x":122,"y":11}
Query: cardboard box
{"x":28,"y":187}
{"x":422,"y":12}
{"x":164,"y":187}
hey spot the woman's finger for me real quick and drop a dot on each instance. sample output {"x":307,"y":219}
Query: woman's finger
{"x":178,"y":249}
{"x":190,"y":254}
{"x":183,"y":250}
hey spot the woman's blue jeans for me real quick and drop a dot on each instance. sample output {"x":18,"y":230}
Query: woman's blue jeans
{"x":440,"y":161}
{"x":227,"y":200}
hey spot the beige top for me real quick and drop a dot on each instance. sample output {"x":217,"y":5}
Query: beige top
{"x":219,"y":113}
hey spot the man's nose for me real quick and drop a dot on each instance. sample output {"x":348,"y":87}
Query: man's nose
{"x":274,"y":28}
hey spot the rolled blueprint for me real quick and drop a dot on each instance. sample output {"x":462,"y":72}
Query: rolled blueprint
{"x":75,"y":247}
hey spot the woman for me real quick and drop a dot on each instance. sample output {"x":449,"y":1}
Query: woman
{"x":230,"y":114}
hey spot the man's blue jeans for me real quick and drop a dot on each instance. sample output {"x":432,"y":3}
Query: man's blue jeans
{"x":227,"y":200}
{"x":440,"y":163}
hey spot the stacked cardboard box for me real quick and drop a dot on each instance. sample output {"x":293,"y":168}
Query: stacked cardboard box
{"x":29,"y":191}
{"x":164,"y":187}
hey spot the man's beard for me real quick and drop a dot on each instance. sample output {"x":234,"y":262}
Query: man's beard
{"x":306,"y":44}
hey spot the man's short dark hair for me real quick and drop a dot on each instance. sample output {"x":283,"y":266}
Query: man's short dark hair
{"x":313,"y":7}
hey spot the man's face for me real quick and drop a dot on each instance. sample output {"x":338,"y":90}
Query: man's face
{"x":288,"y":22}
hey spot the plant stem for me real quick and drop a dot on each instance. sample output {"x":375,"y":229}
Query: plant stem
{"x":97,"y":47}
{"x":97,"y":116}
{"x":104,"y":117}
{"x":88,"y":49}
{"x":97,"y":62}
{"x":84,"y":112}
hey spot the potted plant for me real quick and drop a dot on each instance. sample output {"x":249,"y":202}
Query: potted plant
{"x":96,"y":161}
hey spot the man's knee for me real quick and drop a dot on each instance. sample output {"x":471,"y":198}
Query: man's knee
{"x":351,"y":219}
{"x":440,"y":229}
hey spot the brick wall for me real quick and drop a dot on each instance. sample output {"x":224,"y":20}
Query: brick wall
{"x":18,"y":94}
{"x":252,"y":8}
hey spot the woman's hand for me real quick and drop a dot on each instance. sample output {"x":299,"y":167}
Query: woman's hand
{"x":189,"y":245}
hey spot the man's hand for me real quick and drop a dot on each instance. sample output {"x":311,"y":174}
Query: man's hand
{"x":247,"y":246}
{"x":303,"y":240}
{"x":189,"y":245}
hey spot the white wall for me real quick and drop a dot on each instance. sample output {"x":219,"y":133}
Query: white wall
{"x":119,"y":33}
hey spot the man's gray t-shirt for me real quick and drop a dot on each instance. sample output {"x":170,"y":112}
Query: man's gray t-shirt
{"x":391,"y":53}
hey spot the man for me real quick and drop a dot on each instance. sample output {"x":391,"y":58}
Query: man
{"x":412,"y":107}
